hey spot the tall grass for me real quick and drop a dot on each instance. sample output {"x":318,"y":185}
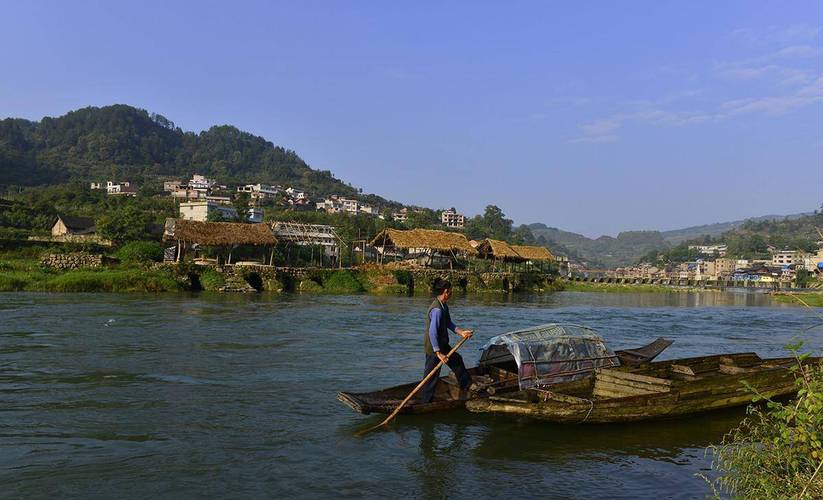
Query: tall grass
{"x":777,"y":451}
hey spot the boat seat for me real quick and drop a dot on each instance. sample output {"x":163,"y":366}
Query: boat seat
{"x":619,"y":384}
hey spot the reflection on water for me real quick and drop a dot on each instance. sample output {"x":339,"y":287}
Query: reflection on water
{"x":230,"y":395}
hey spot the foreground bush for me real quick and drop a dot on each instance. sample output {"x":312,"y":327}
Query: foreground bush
{"x":139,"y":252}
{"x":342,"y":282}
{"x":777,"y":451}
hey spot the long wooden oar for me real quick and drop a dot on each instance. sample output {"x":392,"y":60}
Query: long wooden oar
{"x":431,"y":374}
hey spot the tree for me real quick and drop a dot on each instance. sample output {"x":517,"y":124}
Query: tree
{"x":241,"y":204}
{"x":126,"y":224}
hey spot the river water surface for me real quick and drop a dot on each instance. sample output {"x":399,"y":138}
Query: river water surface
{"x":184,"y":396}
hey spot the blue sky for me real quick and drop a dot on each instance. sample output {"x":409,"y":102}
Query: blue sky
{"x":593,"y":117}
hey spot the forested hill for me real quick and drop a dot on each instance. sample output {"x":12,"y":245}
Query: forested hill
{"x":121,"y":142}
{"x":604,"y":251}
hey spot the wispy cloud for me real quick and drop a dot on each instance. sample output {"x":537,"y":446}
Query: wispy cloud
{"x":788,"y":73}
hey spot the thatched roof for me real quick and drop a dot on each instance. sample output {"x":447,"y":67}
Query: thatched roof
{"x":498,"y":249}
{"x":533,"y":253}
{"x":218,"y":233}
{"x":423,"y":238}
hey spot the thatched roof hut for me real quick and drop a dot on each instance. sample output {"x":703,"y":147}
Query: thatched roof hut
{"x":533,"y":253}
{"x":429,"y":239}
{"x":218,"y":233}
{"x":498,"y":250}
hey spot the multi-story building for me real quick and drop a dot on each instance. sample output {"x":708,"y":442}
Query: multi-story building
{"x":723,"y":268}
{"x":200,"y":210}
{"x":450,"y":218}
{"x":788,"y":257}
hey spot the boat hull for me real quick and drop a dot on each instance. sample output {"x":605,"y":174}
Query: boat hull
{"x":654,"y":397}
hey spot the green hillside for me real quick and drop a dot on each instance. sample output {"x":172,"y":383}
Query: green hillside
{"x":121,"y":142}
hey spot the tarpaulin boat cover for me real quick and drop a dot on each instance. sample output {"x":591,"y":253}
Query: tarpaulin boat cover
{"x":552,"y":353}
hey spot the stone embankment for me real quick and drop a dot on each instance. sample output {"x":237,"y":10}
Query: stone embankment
{"x":74,"y":260}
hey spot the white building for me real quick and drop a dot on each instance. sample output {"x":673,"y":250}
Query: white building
{"x":712,"y":250}
{"x":336,"y":204}
{"x":450,"y":218}
{"x":200,"y":210}
{"x":200,"y":182}
{"x":295,"y":194}
{"x":259,"y":191}
{"x":111,"y":187}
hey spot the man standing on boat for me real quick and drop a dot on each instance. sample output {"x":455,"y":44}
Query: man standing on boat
{"x":438,"y":324}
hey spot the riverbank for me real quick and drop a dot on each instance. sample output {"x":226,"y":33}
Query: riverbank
{"x":581,"y":286}
{"x":139,"y":271}
{"x":813,"y":299}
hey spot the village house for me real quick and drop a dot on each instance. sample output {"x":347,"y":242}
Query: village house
{"x":337,"y":204}
{"x":200,"y":210}
{"x":259,"y":191}
{"x":401,"y":215}
{"x":450,"y":218}
{"x":171,"y":186}
{"x":201,"y":183}
{"x":116,"y":188}
{"x":72,"y":226}
{"x":295,"y":194}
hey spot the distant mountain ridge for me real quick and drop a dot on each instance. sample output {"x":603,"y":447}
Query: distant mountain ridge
{"x":629,"y":246}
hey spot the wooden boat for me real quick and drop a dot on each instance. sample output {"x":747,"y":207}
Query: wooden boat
{"x":501,"y":371}
{"x":654,"y":390}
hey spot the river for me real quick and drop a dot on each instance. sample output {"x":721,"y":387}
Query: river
{"x":186,"y":396}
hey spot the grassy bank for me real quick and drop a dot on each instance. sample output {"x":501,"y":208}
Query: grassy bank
{"x":26,"y":274}
{"x":814,"y":299}
{"x":581,"y":286}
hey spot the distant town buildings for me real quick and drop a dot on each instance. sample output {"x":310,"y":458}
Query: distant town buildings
{"x":450,"y":218}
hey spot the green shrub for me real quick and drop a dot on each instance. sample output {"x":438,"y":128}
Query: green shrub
{"x":6,"y":266}
{"x":777,"y":452}
{"x":212,"y":280}
{"x":342,"y":282}
{"x":309,"y":286}
{"x":138,"y":252}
